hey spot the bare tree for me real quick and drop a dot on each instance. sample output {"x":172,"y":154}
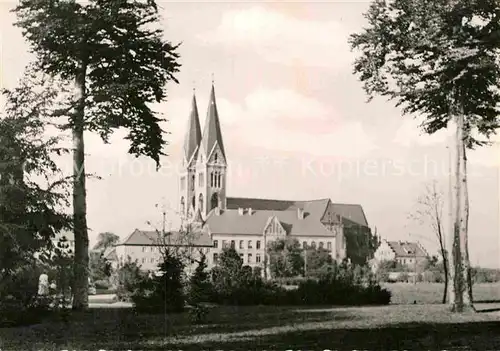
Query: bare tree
{"x":430,"y":213}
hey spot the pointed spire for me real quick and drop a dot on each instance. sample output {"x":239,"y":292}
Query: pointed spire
{"x":193,"y":134}
{"x":212,"y":132}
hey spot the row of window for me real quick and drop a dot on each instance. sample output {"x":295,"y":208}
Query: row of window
{"x":232,"y":244}
{"x":258,"y":258}
{"x":215,"y":180}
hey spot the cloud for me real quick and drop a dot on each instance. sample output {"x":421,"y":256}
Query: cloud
{"x":283,"y":39}
{"x":279,"y":120}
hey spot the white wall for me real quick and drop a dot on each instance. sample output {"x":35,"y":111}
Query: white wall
{"x":384,"y":252}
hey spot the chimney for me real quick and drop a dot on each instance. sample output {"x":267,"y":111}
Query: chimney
{"x":249,"y":211}
{"x":240,"y":211}
{"x":300,"y":213}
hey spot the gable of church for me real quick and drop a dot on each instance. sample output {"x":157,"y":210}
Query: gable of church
{"x":274,"y":227}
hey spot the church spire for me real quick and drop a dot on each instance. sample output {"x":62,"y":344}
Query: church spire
{"x":193,"y":134}
{"x":212,"y":132}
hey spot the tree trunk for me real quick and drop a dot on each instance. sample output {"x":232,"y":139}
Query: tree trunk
{"x":462,"y":297}
{"x":451,"y":231}
{"x":464,"y":235}
{"x":81,"y":260}
{"x":445,"y":268}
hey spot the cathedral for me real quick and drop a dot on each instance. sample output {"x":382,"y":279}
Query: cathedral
{"x":249,"y":224}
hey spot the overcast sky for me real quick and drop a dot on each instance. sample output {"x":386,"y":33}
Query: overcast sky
{"x":295,"y":121}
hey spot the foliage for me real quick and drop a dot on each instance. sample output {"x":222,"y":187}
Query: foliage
{"x":115,"y":54}
{"x":199,"y":289}
{"x":429,"y":55}
{"x":106,"y":240}
{"x":128,"y":277}
{"x":161,"y":293}
{"x":316,"y":260}
{"x":198,"y":314}
{"x":361,"y":243}
{"x":285,"y":258}
{"x":100,"y":268}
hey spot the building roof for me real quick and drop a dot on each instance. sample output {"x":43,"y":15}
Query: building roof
{"x":153,"y":238}
{"x":193,"y":134}
{"x":212,"y":131}
{"x":350,"y":213}
{"x":407,"y":249}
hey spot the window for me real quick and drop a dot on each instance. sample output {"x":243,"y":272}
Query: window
{"x":200,"y":180}
{"x":241,"y":256}
{"x":216,"y":257}
{"x":304,"y":245}
{"x":144,"y":249}
{"x":249,"y":258}
{"x":241,"y":244}
{"x":257,"y":244}
{"x":257,"y":258}
{"x":152,"y":249}
{"x":143,"y":260}
{"x":249,"y":244}
{"x":320,"y":244}
{"x":224,"y":244}
{"x":216,"y":243}
{"x":192,"y":183}
{"x":215,"y":157}
{"x":233,"y":245}
{"x":152,"y":260}
{"x":313,"y":245}
{"x":329,"y":246}
{"x":219,"y":177}
{"x":212,"y":179}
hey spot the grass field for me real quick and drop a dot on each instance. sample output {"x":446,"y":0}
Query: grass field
{"x":429,"y":293}
{"x":409,"y":327}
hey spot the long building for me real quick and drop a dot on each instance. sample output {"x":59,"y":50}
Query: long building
{"x":247,"y":224}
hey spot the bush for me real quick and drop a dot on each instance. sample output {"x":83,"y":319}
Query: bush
{"x":19,"y":301}
{"x":163,"y":293}
{"x":198,"y":314}
{"x":128,"y":278}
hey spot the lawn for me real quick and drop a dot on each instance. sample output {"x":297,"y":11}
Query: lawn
{"x":410,"y":327}
{"x":429,"y":293}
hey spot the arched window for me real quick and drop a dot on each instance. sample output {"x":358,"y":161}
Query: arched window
{"x":183,"y":205}
{"x":193,"y":202}
{"x":219,"y":176}
{"x":212,"y":179}
{"x":200,"y":202}
{"x":215,"y":157}
{"x":192,"y":183}
{"x":214,"y":202}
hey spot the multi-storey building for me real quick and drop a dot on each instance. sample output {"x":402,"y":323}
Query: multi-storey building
{"x":247,"y":224}
{"x":403,"y":252}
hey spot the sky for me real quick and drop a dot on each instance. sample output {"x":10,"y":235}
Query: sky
{"x":295,"y":120}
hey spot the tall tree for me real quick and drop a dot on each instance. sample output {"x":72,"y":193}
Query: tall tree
{"x":430,"y":213}
{"x":32,"y":191}
{"x":114,"y":53}
{"x":438,"y":59}
{"x":106,"y":240}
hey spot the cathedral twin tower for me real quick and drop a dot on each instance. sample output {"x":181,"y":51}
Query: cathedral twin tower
{"x":203,"y":175}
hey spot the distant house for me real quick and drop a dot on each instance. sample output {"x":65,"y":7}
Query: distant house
{"x":145,"y":247}
{"x":403,"y":252}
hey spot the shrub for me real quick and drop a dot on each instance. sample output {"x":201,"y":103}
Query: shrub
{"x":163,"y":293}
{"x":128,"y":277}
{"x":19,"y":301}
{"x":198,"y":314}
